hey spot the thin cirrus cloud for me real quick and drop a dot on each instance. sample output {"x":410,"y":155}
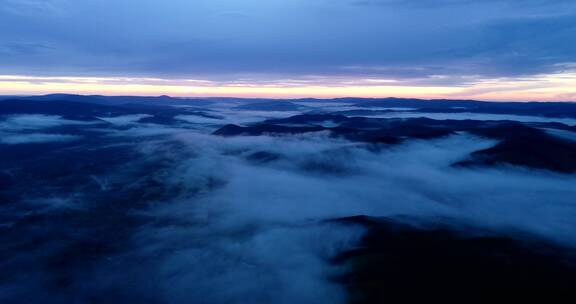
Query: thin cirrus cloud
{"x":451,"y":46}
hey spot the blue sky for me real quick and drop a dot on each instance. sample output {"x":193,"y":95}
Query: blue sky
{"x":500,"y":49}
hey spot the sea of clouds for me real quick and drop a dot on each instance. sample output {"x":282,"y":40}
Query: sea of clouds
{"x":246,"y":219}
{"x":257,"y":231}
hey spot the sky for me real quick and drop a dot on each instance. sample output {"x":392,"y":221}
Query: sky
{"x":480,"y":49}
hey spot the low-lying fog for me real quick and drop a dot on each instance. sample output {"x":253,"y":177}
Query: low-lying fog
{"x":246,"y":221}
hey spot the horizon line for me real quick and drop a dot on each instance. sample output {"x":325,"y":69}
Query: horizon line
{"x":287,"y":99}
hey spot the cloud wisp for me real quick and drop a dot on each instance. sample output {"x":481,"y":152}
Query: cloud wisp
{"x":35,"y":138}
{"x":29,"y":128}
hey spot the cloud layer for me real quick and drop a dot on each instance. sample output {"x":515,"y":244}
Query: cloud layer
{"x":181,"y":216}
{"x":224,"y":39}
{"x":259,"y":233}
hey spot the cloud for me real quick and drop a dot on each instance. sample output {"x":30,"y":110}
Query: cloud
{"x":477,"y":116}
{"x":451,"y":38}
{"x":198,"y":119}
{"x":146,"y":130}
{"x":191,"y":217}
{"x":524,"y":45}
{"x":23,"y":129}
{"x":125,"y":119}
{"x":35,"y":138}
{"x":22,"y":48}
{"x":412,"y":179}
{"x":32,"y":7}
{"x":36,"y":122}
{"x":432,"y":3}
{"x":254,"y":229}
{"x":562,"y":134}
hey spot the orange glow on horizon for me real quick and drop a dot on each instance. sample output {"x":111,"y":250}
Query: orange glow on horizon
{"x":542,"y":88}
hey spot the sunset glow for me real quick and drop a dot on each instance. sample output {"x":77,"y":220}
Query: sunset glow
{"x":554,"y":87}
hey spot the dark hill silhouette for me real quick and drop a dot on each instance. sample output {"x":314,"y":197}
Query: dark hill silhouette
{"x":448,"y":262}
{"x":519,"y":144}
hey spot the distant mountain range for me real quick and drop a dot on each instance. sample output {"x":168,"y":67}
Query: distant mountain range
{"x":548,"y":109}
